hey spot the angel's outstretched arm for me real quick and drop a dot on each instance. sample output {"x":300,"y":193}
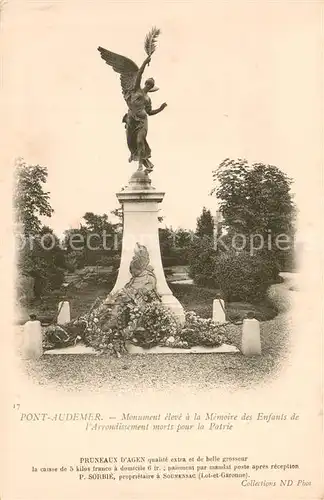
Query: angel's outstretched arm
{"x":140,"y":73}
{"x":151,"y":112}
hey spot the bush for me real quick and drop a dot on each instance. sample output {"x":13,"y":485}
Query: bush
{"x":202,"y":262}
{"x":44,"y":264}
{"x":271,"y":265}
{"x":46,"y":278}
{"x":111,"y":260}
{"x":94,"y":277}
{"x":75,"y":260}
{"x":175,"y":257}
{"x":25,"y":288}
{"x":243,"y":277}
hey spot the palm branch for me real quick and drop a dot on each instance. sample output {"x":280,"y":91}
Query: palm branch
{"x":151,"y":41}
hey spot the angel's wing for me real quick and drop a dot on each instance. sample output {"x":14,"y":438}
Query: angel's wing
{"x":122,"y":65}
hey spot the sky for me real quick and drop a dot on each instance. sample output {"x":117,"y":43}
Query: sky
{"x":241,"y":79}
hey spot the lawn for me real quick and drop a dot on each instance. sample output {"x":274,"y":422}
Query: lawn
{"x":200,"y":300}
{"x":192,"y":297}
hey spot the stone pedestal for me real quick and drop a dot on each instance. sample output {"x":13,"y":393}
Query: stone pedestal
{"x":32,"y":347}
{"x":64,"y":315}
{"x":140,"y":203}
{"x":251,"y":344}
{"x":219,"y":311}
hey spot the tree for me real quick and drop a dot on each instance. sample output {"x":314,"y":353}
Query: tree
{"x":103,"y":236}
{"x":205,"y":224}
{"x":166,"y":238}
{"x":183,"y":238}
{"x":43,"y":259}
{"x":41,"y":256}
{"x":94,"y":242}
{"x":255,"y":200}
{"x":202,"y":261}
{"x":30,"y":199}
{"x":98,"y":223}
{"x":119,"y":213}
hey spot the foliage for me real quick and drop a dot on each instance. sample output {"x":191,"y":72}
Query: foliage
{"x":30,"y":200}
{"x":242,"y":276}
{"x":56,"y":336}
{"x":176,"y":257}
{"x":40,"y":255}
{"x":166,"y":239}
{"x":141,"y":318}
{"x":74,"y":260}
{"x":255,"y":200}
{"x":205,"y":224}
{"x":96,"y":240}
{"x":200,"y":300}
{"x":202,"y":331}
{"x":119,"y":214}
{"x":174,"y":246}
{"x":183,"y":238}
{"x":111,"y":260}
{"x":143,"y":321}
{"x":156,"y":323}
{"x":202,"y":261}
{"x":74,"y":239}
{"x":95,"y":223}
{"x":43,"y":261}
{"x":196,"y":331}
{"x":25,"y":289}
{"x":94,"y":276}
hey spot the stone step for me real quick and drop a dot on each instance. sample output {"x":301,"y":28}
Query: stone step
{"x":133,"y":349}
{"x":224,"y":348}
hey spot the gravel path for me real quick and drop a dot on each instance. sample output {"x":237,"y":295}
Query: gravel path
{"x":191,"y":372}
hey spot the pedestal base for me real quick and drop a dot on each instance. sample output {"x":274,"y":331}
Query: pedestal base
{"x":170,"y":301}
{"x":140,"y":203}
{"x":224,"y":348}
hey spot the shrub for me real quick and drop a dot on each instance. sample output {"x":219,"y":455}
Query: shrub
{"x":91,"y":277}
{"x":202,"y":262}
{"x":45,"y":266}
{"x":25,"y":289}
{"x":175,"y":257}
{"x":242,"y":277}
{"x":75,"y":260}
{"x":110,"y":260}
{"x":271,"y":265}
{"x":46,"y":277}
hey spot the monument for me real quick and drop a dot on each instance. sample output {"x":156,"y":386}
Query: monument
{"x":140,"y":201}
{"x":140,"y":314}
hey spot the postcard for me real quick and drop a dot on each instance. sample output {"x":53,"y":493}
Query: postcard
{"x":161,"y":253}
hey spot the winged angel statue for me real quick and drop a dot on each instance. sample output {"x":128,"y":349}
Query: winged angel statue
{"x":137,"y":99}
